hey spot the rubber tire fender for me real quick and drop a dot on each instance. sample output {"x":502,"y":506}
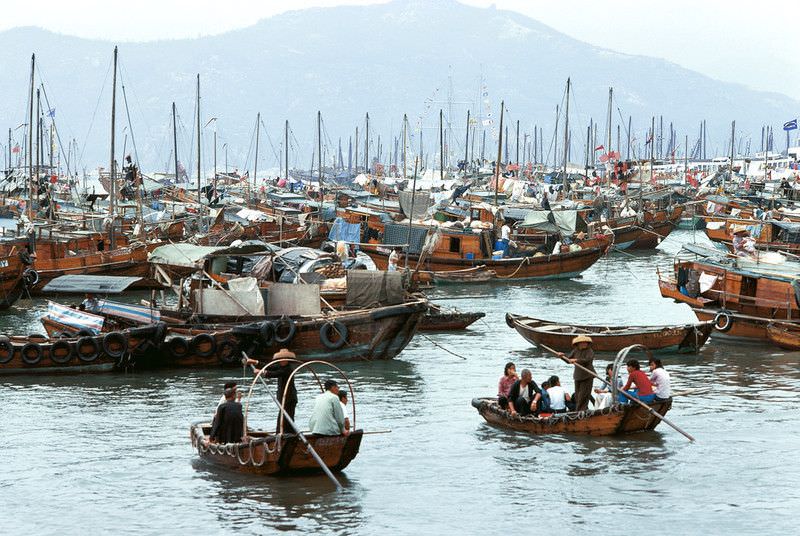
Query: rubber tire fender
{"x":91,"y":356}
{"x":6,"y":347}
{"x":37,"y":348}
{"x":285,"y":321}
{"x":198,"y":340}
{"x":110,"y":338}
{"x":328,"y":329}
{"x":175,"y":344}
{"x":235,"y":352}
{"x":61,"y":344}
{"x":723,"y":321}
{"x":31,"y":277}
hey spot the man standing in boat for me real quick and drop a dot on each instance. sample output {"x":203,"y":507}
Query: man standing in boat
{"x":583,"y":355}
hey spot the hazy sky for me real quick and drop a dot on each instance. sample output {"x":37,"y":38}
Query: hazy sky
{"x":752,"y":43}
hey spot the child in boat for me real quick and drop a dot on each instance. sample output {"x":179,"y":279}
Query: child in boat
{"x":637,"y":378}
{"x":506,"y":381}
{"x":343,"y":402}
{"x":603,"y":398}
{"x":559,"y":397}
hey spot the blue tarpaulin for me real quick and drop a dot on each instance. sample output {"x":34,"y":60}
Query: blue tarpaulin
{"x":347,"y":232}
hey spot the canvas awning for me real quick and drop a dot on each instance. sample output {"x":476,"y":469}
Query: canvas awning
{"x":90,"y":284}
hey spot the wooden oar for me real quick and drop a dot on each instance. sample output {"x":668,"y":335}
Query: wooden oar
{"x":292,"y":424}
{"x":624,"y":393}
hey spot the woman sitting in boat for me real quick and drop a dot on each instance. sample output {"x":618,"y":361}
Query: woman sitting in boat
{"x":559,"y":397}
{"x":659,"y":377}
{"x":524,"y":395}
{"x":505,"y":384}
{"x":643,"y":387}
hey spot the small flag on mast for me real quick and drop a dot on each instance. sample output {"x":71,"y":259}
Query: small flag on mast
{"x":790,"y":125}
{"x":600,"y":148}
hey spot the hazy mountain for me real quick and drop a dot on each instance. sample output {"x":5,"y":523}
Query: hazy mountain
{"x":386,"y":59}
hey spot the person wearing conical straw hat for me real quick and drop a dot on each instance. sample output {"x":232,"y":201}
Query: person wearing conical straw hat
{"x":582,"y":354}
{"x":743,"y":244}
{"x":282,"y":371}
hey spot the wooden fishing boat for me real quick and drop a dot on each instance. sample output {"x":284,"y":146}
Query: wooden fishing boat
{"x":367,"y":334}
{"x":613,"y":420}
{"x":687,"y":338}
{"x":438,"y":319}
{"x":477,"y":274}
{"x":270,"y":454}
{"x":784,"y":335}
{"x":14,"y":276}
{"x":630,"y":234}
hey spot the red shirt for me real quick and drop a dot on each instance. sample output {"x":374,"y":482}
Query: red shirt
{"x":505,"y":384}
{"x":641,"y":381}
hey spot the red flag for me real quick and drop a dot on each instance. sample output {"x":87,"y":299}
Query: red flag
{"x":15,"y":149}
{"x":599,"y":148}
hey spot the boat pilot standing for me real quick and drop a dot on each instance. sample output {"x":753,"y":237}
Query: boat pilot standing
{"x":583,"y":355}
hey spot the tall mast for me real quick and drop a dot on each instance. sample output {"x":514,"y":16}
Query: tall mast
{"x":356,"y":151}
{"x":198,"y":145}
{"x":38,"y":144}
{"x":686,"y":159}
{"x":516,"y":154}
{"x":255,"y":165}
{"x":555,"y":141}
{"x":466,"y":148}
{"x":319,"y":162}
{"x":366,"y":148}
{"x":733,"y":147}
{"x":405,"y":142}
{"x":113,"y":168}
{"x":499,"y":152}
{"x":441,"y":144}
{"x":215,"y":158}
{"x":31,"y":183}
{"x":588,"y":148}
{"x":566,"y":137}
{"x":175,"y":140}
{"x":286,"y":148}
{"x":652,"y":149}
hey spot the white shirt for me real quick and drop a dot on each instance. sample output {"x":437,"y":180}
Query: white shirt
{"x":393,"y":258}
{"x":558,"y":398}
{"x":505,"y":232}
{"x":660,"y":380}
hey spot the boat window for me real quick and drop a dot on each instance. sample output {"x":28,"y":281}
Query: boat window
{"x":455,"y":245}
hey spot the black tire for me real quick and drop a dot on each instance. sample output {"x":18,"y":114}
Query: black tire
{"x":267,"y":333}
{"x":723,"y":321}
{"x":63,"y":345}
{"x":6,"y":350}
{"x":228,"y":352}
{"x":177,"y":347}
{"x":31,"y":353}
{"x":287,"y":323}
{"x":83,"y":332}
{"x":94,"y":349}
{"x":199,"y":341}
{"x":31,"y":277}
{"x":334,"y":328}
{"x":115,"y":344}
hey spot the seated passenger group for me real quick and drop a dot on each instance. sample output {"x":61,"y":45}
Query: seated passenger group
{"x":520,"y":395}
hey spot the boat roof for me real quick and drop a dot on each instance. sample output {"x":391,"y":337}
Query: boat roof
{"x":92,"y":284}
{"x":191,"y":255}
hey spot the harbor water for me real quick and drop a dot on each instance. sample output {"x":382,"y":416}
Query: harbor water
{"x":111,"y":453}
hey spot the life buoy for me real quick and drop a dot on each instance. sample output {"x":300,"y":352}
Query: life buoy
{"x":61,"y":347}
{"x":723,"y":321}
{"x":201,"y":340}
{"x":334,"y":328}
{"x":87,"y":356}
{"x":6,"y":350}
{"x":31,"y":353}
{"x":228,"y":352}
{"x":267,"y":332}
{"x":285,"y":323}
{"x":115,"y":344}
{"x":177,"y":347}
{"x":31,"y":277}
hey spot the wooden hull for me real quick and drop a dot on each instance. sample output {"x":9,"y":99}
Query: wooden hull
{"x":684,"y":339}
{"x":617,"y":419}
{"x":433,"y":321}
{"x":266,"y":454}
{"x":121,"y":262}
{"x":561,"y":266}
{"x":380,"y":333}
{"x":743,"y":327}
{"x":11,"y":282}
{"x":784,"y":335}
